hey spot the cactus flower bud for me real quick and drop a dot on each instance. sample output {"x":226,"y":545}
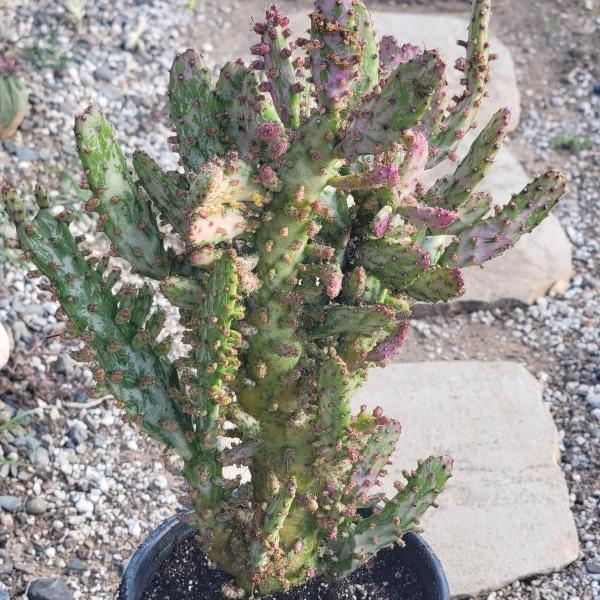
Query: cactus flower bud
{"x":268,"y":132}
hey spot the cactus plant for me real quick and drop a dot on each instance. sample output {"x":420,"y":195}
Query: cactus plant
{"x":14,"y":104}
{"x":308,"y":236}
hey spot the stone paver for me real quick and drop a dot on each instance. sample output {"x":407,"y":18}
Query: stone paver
{"x":505,"y":514}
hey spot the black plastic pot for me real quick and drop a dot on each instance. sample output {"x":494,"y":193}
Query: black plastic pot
{"x":417,"y":557}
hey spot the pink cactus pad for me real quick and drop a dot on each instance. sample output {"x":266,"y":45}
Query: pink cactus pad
{"x":391,"y":55}
{"x":380,"y":223}
{"x":389,"y":347}
{"x":432,"y":216}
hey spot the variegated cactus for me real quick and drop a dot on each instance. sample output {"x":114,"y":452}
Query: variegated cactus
{"x":14,"y":103}
{"x":308,"y":236}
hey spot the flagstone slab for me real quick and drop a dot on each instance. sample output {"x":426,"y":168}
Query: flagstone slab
{"x":505,"y":514}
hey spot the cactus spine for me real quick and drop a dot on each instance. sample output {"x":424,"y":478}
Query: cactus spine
{"x":308,"y":236}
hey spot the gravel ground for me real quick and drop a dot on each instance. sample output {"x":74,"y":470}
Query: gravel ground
{"x":89,"y":489}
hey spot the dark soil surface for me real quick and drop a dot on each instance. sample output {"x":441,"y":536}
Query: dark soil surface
{"x":188,"y":575}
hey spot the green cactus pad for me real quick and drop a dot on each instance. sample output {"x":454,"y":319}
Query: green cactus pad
{"x":453,"y":191}
{"x":403,"y":101}
{"x":166,"y":190}
{"x":399,"y":516}
{"x":125,"y":218}
{"x":396,"y":265}
{"x":439,"y":284}
{"x":476,"y":68}
{"x":351,"y":320}
{"x":229,"y":89}
{"x":194,"y":110}
{"x":274,"y":518}
{"x":135,"y":377}
{"x":472,"y":211}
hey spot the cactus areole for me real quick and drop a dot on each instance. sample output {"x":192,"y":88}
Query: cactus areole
{"x":308,"y":236}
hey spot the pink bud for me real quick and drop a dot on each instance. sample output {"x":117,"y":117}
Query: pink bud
{"x":386,"y":174}
{"x":267,"y":176}
{"x":261,"y":49}
{"x":268,"y":132}
{"x":277,"y":148}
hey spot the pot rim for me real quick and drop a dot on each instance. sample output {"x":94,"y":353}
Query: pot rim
{"x":157,"y":547}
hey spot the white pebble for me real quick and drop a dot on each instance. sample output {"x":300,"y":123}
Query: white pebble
{"x":160,"y":481}
{"x":134,"y":528}
{"x":84,"y":507}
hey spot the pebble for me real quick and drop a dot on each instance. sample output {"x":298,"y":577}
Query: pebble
{"x":6,"y":521}
{"x":78,"y":432}
{"x":80,"y":397}
{"x":10,"y":503}
{"x":64,"y":365}
{"x":76,"y":565}
{"x":49,"y":588}
{"x":10,"y":146}
{"x":40,"y":458}
{"x":134,"y":528}
{"x":36,"y":506}
{"x":26,"y":154}
{"x":104,"y":74}
{"x":593,"y":567}
{"x":84,"y":506}
{"x":99,"y":441}
{"x":160,"y":482}
{"x":21,"y":333}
